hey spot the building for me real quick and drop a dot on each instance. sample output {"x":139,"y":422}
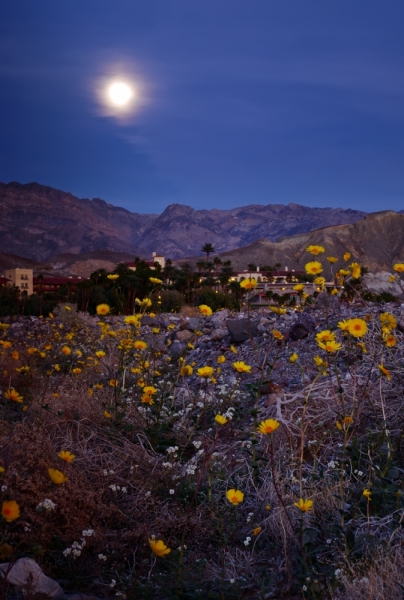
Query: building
{"x":21,"y":278}
{"x":156,"y":258}
{"x":269,"y":276}
{"x":53,"y":284}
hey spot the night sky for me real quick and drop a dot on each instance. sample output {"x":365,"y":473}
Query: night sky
{"x":237,"y":101}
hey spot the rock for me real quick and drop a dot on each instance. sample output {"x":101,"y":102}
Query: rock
{"x":377,"y":283}
{"x":302,"y":329}
{"x":164,"y":321}
{"x":327,"y":301}
{"x":184,"y":336}
{"x":25,"y":573}
{"x":176,"y":349}
{"x":241,"y":329}
{"x":218,"y":334}
{"x":218,"y":318}
{"x":194,"y":324}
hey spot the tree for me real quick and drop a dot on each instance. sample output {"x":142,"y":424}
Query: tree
{"x":208,"y":248}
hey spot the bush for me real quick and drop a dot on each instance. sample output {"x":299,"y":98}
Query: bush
{"x":171,"y":301}
{"x":215,"y":300}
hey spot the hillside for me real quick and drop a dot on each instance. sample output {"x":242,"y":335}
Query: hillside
{"x":377,"y":242}
{"x":39,"y":222}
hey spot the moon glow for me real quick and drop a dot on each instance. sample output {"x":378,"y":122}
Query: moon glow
{"x":120,"y":93}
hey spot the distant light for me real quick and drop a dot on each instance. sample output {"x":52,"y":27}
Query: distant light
{"x":120,"y":93}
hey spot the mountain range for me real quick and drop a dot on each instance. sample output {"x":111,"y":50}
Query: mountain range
{"x":47,"y":229}
{"x":39,"y":222}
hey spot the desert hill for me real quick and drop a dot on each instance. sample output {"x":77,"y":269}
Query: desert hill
{"x":39,"y":222}
{"x":376,"y":242}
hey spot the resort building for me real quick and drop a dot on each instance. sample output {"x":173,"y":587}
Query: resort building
{"x":21,"y":278}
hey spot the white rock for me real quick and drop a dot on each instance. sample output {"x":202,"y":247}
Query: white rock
{"x":25,"y":573}
{"x":379,"y":282}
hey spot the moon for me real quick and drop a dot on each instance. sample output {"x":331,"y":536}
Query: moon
{"x":120,"y":93}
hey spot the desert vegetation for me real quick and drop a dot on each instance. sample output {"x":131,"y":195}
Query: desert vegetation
{"x":140,"y":462}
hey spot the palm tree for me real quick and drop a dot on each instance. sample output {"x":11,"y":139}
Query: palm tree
{"x":208,"y":248}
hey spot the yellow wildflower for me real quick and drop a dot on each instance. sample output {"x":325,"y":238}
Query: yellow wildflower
{"x":356,"y":270}
{"x":399,"y":267}
{"x":385,"y":372}
{"x":332,"y":259}
{"x":107,"y":414}
{"x":67,"y":456}
{"x":293,"y":357}
{"x":140,"y":345}
{"x":357,"y":327}
{"x":234,"y":496}
{"x":186,"y":370}
{"x":155,"y":280}
{"x":367,"y":493}
{"x":205,"y":310}
{"x":205,"y":372}
{"x":277,"y":334}
{"x":304,"y":505}
{"x":347,"y":256}
{"x":299,"y":287}
{"x":325,"y":336}
{"x":57,"y":476}
{"x":390,"y":341}
{"x":11,"y":394}
{"x":10,"y":510}
{"x":388,"y":320}
{"x":248,"y":284}
{"x":268,"y":426}
{"x":315,"y":249}
{"x":221,"y":359}
{"x":113,"y":276}
{"x":313,"y":268}
{"x":131,"y":320}
{"x":66,"y":350}
{"x":331,"y":346}
{"x":102,"y":309}
{"x":220,"y":419}
{"x":257,"y":530}
{"x":233,"y":349}
{"x":241,"y":367}
{"x":159,"y":548}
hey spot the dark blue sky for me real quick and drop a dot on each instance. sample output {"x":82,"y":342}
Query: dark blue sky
{"x":240,"y":101}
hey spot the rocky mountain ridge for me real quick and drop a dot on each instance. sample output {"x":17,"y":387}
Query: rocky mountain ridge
{"x":376,"y":242}
{"x":38,"y":222}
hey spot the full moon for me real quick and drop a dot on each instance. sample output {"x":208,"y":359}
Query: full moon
{"x":120,"y":93}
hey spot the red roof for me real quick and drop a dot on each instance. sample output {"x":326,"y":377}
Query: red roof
{"x":55,"y":280}
{"x":4,"y":280}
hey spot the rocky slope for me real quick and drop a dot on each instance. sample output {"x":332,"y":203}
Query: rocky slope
{"x":376,"y":242}
{"x":38,"y":222}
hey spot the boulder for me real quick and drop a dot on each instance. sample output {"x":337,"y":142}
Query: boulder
{"x":377,"y":283}
{"x":184,"y":336}
{"x":26,"y":575}
{"x":194,"y":324}
{"x":218,"y":334}
{"x":218,"y":318}
{"x":302,"y":328}
{"x":241,"y":329}
{"x":327,"y":301}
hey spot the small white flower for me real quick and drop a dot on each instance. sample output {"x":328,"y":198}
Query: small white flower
{"x":247,"y":541}
{"x":171,"y":492}
{"x":102,"y":557}
{"x":113,"y":583}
